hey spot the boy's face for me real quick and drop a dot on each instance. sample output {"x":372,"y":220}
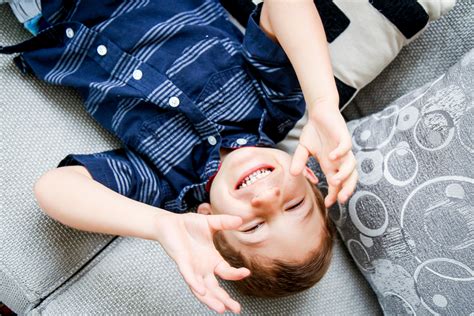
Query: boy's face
{"x":281,"y":219}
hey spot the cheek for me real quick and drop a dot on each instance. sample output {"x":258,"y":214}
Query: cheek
{"x":297,"y":185}
{"x":220,"y":199}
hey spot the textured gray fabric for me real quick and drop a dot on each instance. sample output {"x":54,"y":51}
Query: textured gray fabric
{"x":410,"y":224}
{"x":135,"y":276}
{"x":12,"y":293}
{"x":426,"y":58}
{"x":40,"y":124}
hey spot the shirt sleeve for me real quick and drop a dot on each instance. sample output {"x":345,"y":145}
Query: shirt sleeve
{"x":270,"y":66}
{"x":268,"y":60}
{"x":122,"y":171}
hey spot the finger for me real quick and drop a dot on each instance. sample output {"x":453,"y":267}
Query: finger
{"x":221,"y":294}
{"x":299,"y":160}
{"x":224,"y":222}
{"x":195,"y":283}
{"x":226,"y":272}
{"x":344,"y":146}
{"x":332,"y":196}
{"x":211,"y":301}
{"x":348,"y":187}
{"x":345,"y":171}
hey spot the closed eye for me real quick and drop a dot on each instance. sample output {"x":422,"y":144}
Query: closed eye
{"x":253,"y":228}
{"x":296,"y":205}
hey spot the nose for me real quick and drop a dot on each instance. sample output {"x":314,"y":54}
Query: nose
{"x":266,"y":198}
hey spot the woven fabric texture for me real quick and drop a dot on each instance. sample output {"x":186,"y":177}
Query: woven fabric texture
{"x":135,"y":276}
{"x":40,"y":124}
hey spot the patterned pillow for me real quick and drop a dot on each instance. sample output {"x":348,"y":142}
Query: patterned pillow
{"x":410,"y":224}
{"x":363,"y":36}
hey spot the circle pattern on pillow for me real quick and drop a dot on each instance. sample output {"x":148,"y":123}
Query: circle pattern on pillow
{"x":409,"y":226}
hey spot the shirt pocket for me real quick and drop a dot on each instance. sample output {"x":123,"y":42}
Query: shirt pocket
{"x":128,"y":119}
{"x":228,"y":91}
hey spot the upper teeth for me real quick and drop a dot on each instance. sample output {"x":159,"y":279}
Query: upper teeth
{"x":261,"y":173}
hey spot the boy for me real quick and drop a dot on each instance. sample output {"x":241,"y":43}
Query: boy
{"x":182,"y":95}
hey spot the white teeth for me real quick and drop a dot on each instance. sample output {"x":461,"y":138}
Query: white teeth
{"x":259,"y":174}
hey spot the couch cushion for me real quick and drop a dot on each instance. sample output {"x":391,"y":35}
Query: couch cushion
{"x":135,"y":276}
{"x":40,"y":125}
{"x":410,"y":224}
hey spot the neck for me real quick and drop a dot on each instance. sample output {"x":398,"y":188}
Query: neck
{"x":224,"y":152}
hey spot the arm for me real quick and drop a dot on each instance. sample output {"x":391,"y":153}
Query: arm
{"x":296,"y":25}
{"x":71,"y":196}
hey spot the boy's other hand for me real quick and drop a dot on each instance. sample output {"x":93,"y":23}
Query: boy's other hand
{"x":187,"y":238}
{"x":325,"y":136}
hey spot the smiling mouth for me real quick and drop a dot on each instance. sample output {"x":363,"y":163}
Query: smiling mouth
{"x":253,"y":176}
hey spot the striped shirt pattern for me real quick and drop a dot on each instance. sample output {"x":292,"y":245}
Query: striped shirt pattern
{"x":174,"y":80}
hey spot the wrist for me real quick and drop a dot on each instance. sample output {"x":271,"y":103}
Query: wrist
{"x":161,"y":220}
{"x":326,"y":104}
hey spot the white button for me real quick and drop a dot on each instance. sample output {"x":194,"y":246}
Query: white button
{"x":101,"y":50}
{"x":69,"y":32}
{"x":241,"y":141}
{"x":173,"y":101}
{"x":137,"y":74}
{"x":212,"y":140}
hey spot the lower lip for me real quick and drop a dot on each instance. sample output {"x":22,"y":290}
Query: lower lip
{"x":250,"y":171}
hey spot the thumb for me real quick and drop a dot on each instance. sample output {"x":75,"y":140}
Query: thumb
{"x":224,"y":222}
{"x":298,"y":162}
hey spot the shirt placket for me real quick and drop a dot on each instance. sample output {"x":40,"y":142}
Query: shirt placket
{"x":153,"y":85}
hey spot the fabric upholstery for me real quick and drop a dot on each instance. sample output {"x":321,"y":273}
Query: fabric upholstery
{"x":134,"y":276}
{"x":410,"y":224}
{"x":40,"y":124}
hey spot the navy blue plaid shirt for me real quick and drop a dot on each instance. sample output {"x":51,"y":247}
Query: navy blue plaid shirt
{"x":174,"y":80}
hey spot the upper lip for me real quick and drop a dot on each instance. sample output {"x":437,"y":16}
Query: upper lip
{"x":250,"y":171}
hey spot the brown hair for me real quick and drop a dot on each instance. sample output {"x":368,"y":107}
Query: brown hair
{"x":276,"y":278}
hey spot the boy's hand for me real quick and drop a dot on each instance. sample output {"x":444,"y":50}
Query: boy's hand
{"x":325,"y":136}
{"x":187,"y":238}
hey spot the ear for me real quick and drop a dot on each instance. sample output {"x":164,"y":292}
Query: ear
{"x":204,"y":209}
{"x":309,"y":174}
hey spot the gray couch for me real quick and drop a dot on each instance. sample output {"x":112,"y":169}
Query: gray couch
{"x":47,"y":268}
